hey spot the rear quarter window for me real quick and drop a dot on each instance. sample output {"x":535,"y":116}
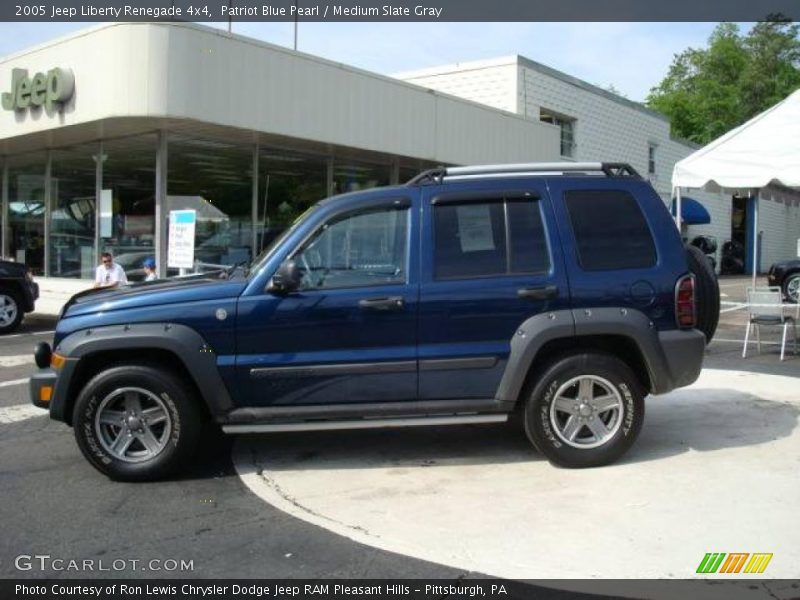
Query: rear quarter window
{"x":610,"y":230}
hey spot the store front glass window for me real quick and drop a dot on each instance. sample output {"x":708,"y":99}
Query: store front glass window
{"x":127,"y":202}
{"x":72,"y":216}
{"x":26,"y":185}
{"x":352,"y":175}
{"x":215,"y":179}
{"x":288,"y":184}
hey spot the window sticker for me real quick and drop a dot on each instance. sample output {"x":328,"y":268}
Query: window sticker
{"x":475,"y":228}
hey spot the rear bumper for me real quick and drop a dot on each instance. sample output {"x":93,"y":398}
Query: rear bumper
{"x":773,"y":280}
{"x":30,"y":293}
{"x":683,"y":358}
{"x":42,"y":378}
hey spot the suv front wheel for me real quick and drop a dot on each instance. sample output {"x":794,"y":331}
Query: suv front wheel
{"x":136,"y":422}
{"x":584,"y":410}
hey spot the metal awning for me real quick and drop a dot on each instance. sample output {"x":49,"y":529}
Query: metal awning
{"x":692,"y":212}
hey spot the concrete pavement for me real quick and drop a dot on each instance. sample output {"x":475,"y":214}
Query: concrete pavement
{"x":715,"y":470}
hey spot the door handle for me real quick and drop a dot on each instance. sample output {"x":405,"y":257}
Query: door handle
{"x":542,"y":292}
{"x":382,"y":304}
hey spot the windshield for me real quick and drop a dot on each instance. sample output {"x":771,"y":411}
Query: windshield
{"x":267,"y":252}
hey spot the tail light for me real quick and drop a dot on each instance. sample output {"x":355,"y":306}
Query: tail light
{"x":685,"y":307}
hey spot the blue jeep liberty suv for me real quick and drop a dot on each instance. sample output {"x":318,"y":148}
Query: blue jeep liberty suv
{"x":552,"y":295}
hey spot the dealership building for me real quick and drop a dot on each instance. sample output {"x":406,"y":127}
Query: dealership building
{"x":104,"y":132}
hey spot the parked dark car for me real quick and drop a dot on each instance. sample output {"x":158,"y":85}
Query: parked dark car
{"x":556,"y":296}
{"x":786,"y":275}
{"x":18,"y":294}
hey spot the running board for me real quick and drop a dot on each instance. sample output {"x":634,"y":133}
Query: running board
{"x":363,"y":424}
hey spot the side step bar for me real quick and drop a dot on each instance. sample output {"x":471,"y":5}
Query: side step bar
{"x":363,"y":423}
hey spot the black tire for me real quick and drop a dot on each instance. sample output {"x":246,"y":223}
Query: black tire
{"x":160,"y":389}
{"x":793,"y":278}
{"x":706,"y":292}
{"x":545,"y":427}
{"x":9,"y":301}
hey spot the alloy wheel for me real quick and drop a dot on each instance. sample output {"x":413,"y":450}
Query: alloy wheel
{"x":586,"y":411}
{"x":8,"y":310}
{"x":133,"y":424}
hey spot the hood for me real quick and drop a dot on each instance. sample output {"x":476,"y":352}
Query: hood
{"x":154,"y":293}
{"x":12,"y":269}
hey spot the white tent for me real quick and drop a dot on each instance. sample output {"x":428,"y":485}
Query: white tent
{"x":763,"y":151}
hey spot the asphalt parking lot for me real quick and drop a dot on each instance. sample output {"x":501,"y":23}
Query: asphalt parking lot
{"x":715,"y":470}
{"x":54,"y":503}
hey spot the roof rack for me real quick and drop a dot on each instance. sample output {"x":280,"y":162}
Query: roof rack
{"x":439,"y":174}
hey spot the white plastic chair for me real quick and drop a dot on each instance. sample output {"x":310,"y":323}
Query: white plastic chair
{"x":766,"y":308}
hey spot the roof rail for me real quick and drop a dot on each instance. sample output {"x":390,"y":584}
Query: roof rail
{"x":439,"y":174}
{"x":430,"y":176}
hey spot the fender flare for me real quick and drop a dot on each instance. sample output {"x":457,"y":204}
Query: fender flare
{"x":185,"y":343}
{"x":629,"y":323}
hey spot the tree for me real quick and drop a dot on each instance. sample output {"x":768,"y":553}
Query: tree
{"x":709,"y":91}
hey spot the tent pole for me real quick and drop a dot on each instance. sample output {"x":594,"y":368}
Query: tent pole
{"x":755,"y":238}
{"x":678,"y":210}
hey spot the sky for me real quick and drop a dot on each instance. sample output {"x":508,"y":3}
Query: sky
{"x":633,"y":57}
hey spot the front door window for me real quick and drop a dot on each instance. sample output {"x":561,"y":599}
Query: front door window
{"x":360,"y":249}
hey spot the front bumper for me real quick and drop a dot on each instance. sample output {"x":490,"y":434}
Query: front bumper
{"x":39,"y":382}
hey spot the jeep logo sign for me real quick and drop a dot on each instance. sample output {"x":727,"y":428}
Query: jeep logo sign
{"x":50,"y":90}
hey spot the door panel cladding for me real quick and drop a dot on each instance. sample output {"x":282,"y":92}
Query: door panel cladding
{"x":526,"y":343}
{"x":182,"y":341}
{"x":405,"y":366}
{"x":636,"y":326}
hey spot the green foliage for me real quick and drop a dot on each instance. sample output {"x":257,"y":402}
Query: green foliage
{"x":709,"y":91}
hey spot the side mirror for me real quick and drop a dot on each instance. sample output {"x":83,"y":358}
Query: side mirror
{"x":286,"y":279}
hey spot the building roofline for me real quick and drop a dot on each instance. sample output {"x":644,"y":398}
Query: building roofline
{"x":57,"y":40}
{"x":472,"y":65}
{"x":268,"y":45}
{"x":520,"y":60}
{"x":590,"y":87}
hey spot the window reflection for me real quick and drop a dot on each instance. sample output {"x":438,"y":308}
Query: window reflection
{"x":72,"y":225}
{"x":214,"y":178}
{"x":288,"y":184}
{"x":26,"y":186}
{"x":353,"y":175}
{"x":127,"y":204}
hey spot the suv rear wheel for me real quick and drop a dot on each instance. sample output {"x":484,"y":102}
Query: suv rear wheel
{"x":584,"y":410}
{"x":136,"y":423}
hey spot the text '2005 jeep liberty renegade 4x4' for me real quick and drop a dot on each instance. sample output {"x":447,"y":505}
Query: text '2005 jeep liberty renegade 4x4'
{"x":559,"y":294}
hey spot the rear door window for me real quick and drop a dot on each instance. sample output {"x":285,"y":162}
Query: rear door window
{"x":610,"y":230}
{"x":491,"y":237}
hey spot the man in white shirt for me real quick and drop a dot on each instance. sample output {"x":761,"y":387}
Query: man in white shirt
{"x":109,"y":274}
